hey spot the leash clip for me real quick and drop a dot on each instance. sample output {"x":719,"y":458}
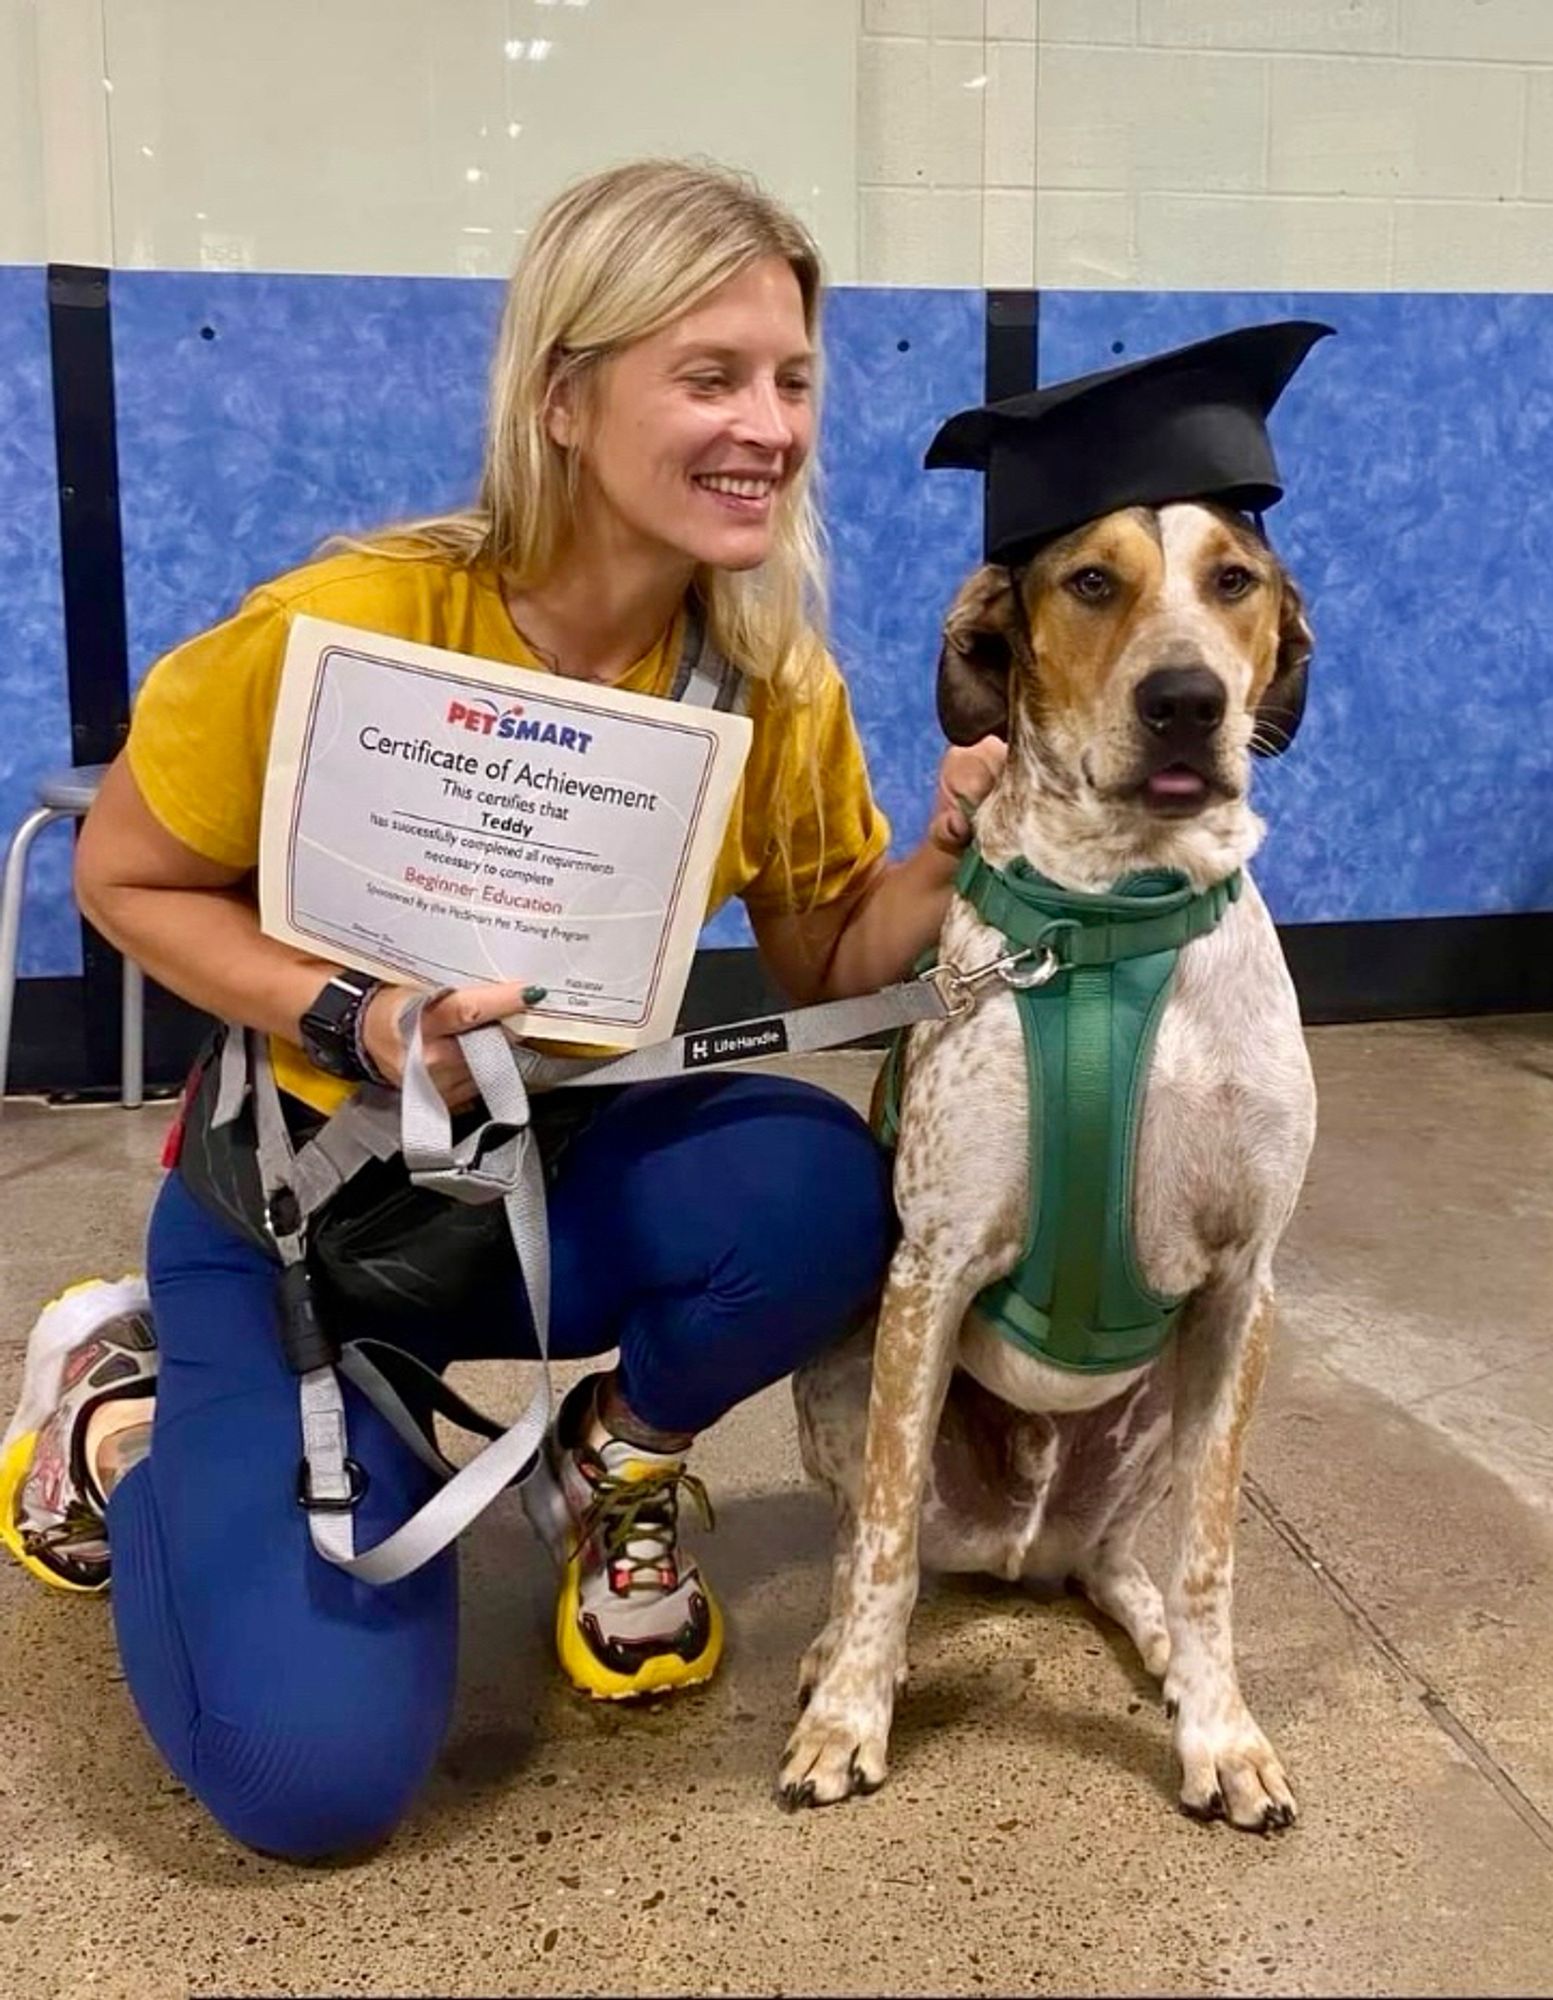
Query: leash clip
{"x":954,"y":988}
{"x":1048,"y":959}
{"x":960,"y":989}
{"x":1045,"y":969}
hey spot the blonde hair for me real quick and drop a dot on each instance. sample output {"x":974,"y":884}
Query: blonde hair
{"x":613,"y":259}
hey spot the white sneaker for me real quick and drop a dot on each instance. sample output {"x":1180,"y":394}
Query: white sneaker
{"x":92,"y":1345}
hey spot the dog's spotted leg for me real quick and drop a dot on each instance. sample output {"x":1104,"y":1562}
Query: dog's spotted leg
{"x":839,"y":1745}
{"x":1228,"y":1767}
{"x":830,"y":1401}
{"x":1115,"y":1582}
{"x":821,"y":1651}
{"x":1110,"y":1573}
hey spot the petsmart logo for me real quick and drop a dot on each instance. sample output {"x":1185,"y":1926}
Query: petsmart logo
{"x":486,"y":719}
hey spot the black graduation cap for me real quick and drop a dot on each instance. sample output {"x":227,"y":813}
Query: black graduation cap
{"x":1187,"y":425}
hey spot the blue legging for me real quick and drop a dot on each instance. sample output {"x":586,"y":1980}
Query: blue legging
{"x":717,"y":1231}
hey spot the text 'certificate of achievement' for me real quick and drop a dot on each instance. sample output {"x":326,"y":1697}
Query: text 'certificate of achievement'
{"x":438,"y":819}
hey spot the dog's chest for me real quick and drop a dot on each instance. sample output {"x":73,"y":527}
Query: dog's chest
{"x":1216,"y":1123}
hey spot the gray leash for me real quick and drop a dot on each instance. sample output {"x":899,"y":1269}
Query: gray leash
{"x":802,"y":1031}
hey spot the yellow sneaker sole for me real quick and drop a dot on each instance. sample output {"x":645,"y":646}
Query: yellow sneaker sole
{"x":663,"y":1675}
{"x":14,"y":1467}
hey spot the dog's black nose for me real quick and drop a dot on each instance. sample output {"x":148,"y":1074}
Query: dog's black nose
{"x":1180,"y":704}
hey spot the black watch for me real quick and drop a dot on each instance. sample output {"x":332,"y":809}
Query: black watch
{"x":330,"y":1028}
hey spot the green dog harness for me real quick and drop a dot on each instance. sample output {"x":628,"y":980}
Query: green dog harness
{"x":1099,"y":974}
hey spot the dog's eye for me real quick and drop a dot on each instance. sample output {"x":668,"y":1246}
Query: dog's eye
{"x":1092,"y":585}
{"x":1234,"y":580}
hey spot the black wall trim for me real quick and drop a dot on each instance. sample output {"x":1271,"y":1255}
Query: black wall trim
{"x":91,"y":550}
{"x":92,"y":576}
{"x":1012,"y":336}
{"x":54,"y":1052}
{"x":1408,"y":969}
{"x":1413,"y":968}
{"x":1011,"y":343}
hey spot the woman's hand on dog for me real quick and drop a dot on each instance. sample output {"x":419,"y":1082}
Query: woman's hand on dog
{"x":444,"y":1018}
{"x":966,"y":776}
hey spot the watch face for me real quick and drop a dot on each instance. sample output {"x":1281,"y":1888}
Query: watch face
{"x":328,"y":1029}
{"x":325,"y":1051}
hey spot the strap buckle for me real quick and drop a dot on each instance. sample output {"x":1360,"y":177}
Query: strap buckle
{"x":355,"y":1478}
{"x":283,"y":1216}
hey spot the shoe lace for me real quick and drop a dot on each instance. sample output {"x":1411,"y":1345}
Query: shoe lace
{"x":637,"y":1521}
{"x":80,"y":1523}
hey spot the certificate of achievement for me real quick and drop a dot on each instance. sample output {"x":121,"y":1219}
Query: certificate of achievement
{"x":442,"y":820}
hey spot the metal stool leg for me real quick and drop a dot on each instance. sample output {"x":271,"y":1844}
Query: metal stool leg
{"x":11,"y":893}
{"x":132,"y":1047}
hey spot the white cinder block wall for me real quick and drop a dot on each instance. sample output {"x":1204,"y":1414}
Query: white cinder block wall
{"x":1259,"y":144}
{"x":1221,"y":144}
{"x":397,"y":135}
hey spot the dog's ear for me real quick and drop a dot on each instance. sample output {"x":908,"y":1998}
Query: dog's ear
{"x":977,"y":656}
{"x":1283,"y":701}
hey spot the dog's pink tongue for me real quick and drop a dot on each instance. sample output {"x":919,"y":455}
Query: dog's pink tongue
{"x":1176,"y":783}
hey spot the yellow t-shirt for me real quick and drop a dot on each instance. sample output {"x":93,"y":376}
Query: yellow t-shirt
{"x":201,"y":731}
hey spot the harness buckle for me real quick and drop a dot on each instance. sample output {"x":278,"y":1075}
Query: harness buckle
{"x":355,"y":1479}
{"x":305,"y":1340}
{"x":283,"y":1214}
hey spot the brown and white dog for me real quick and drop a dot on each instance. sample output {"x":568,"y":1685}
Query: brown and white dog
{"x":1134,"y":665}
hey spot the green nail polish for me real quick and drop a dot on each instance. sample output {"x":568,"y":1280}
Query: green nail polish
{"x":532,"y":995}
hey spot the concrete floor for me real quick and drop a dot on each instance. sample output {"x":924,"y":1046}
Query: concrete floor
{"x":1395,"y":1634}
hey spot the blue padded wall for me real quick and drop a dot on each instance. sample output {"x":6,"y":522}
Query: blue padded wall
{"x":259,"y":414}
{"x":1417,"y":452}
{"x":34,"y":701}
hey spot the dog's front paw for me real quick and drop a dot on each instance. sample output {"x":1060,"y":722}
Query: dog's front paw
{"x":1230,"y":1771}
{"x":829,"y":1758}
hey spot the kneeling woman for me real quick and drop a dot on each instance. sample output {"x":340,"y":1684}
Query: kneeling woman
{"x":650,"y":427}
